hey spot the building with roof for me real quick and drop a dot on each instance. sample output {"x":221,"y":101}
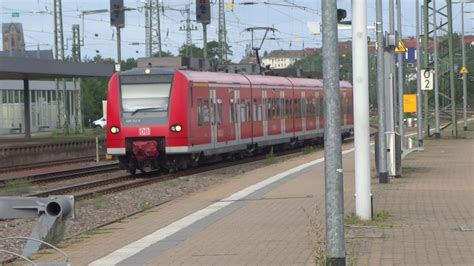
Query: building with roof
{"x":12,"y":34}
{"x":279,"y":59}
{"x":46,"y":99}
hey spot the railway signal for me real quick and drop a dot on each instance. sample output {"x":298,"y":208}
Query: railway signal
{"x":203,"y":11}
{"x":117,"y":14}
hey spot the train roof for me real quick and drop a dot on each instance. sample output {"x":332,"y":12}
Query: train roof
{"x":242,"y":79}
{"x":153,"y":71}
{"x":214,"y":77}
{"x":305,"y":82}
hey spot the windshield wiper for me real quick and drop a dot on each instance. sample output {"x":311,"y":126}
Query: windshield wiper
{"x":147,"y":109}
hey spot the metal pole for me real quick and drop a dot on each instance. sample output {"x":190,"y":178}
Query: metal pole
{"x":392,"y":77}
{"x":26,"y":104}
{"x":419,"y":97}
{"x":361,"y":109}
{"x":97,"y":149}
{"x":204,"y":39}
{"x":158,"y":27}
{"x":436,"y":76}
{"x":464,"y":75}
{"x":119,"y":49}
{"x":401,"y":80}
{"x":454,"y":123}
{"x":426,"y":51}
{"x":382,"y":147}
{"x":334,"y":196}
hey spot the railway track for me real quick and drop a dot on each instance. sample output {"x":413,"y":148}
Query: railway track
{"x":17,"y":168}
{"x":126,"y":182}
{"x":63,"y":175}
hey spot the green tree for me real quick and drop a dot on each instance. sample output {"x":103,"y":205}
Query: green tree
{"x":94,"y":91}
{"x":163,"y":54}
{"x":212,"y":50}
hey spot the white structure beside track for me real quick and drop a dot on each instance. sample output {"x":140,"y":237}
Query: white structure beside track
{"x":43,"y":102}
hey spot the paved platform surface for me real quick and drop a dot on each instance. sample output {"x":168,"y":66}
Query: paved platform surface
{"x":430,"y":216}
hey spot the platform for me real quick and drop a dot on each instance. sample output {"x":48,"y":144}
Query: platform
{"x":275,"y":216}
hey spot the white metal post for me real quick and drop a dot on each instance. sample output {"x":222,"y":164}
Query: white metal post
{"x":464,"y":75}
{"x":360,"y":68}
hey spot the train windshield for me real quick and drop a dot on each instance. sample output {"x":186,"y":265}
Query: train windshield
{"x":148,"y":97}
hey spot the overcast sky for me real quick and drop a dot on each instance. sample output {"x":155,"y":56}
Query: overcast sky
{"x":291,"y":23}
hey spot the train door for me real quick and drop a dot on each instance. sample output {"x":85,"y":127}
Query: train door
{"x":213,"y":113}
{"x":264,"y":113}
{"x":281,"y":102}
{"x":344,"y":105}
{"x":229,"y":113}
{"x":236,"y":103}
{"x":302,"y":108}
{"x":297,"y":112}
{"x":320,"y":109}
{"x":311,"y":111}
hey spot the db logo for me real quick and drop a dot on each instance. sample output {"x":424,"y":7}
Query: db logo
{"x":144,"y":131}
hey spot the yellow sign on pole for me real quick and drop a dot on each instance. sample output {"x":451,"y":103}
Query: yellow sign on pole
{"x":463,"y":70}
{"x":401,"y":48}
{"x":409,"y":103}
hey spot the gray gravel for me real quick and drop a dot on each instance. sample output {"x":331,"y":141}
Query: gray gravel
{"x":105,"y":209}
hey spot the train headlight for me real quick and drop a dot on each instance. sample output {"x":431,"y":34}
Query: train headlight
{"x":176,"y":128}
{"x":114,"y":130}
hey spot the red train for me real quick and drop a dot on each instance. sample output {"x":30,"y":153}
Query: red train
{"x":172,"y":119}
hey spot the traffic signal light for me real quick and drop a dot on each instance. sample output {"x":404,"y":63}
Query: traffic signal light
{"x":117,"y":14}
{"x":341,"y":14}
{"x":203,"y":11}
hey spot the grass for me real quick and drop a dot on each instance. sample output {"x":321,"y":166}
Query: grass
{"x":381,"y":219}
{"x":87,"y":133}
{"x":317,"y":236}
{"x":98,"y":202}
{"x":144,"y":205}
{"x":270,"y":158}
{"x":308,"y":150}
{"x":16,"y":187}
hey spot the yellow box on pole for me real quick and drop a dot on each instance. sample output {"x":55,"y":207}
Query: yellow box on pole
{"x":409,"y":103}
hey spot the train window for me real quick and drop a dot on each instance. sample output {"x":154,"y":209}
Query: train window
{"x":259,"y":110}
{"x":205,"y":112}
{"x":20,"y":100}
{"x":321,"y":106}
{"x":281,"y":103}
{"x":244,"y":110}
{"x":145,"y":97}
{"x":297,"y":108}
{"x":219,"y":111}
{"x":269,"y":108}
{"x":273,"y":108}
{"x":287,"y":108}
{"x":4,"y":97}
{"x":200,"y":116}
{"x":53,"y":96}
{"x":231,"y":110}
{"x":254,"y":110}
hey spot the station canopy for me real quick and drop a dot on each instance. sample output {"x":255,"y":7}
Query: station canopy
{"x":14,"y":68}
{"x":26,"y":69}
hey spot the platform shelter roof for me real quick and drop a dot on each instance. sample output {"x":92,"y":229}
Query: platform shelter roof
{"x":12,"y":68}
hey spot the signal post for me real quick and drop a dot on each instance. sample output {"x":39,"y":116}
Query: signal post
{"x":203,"y":15}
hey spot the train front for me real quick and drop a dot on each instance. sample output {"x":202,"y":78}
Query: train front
{"x":138,"y":118}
